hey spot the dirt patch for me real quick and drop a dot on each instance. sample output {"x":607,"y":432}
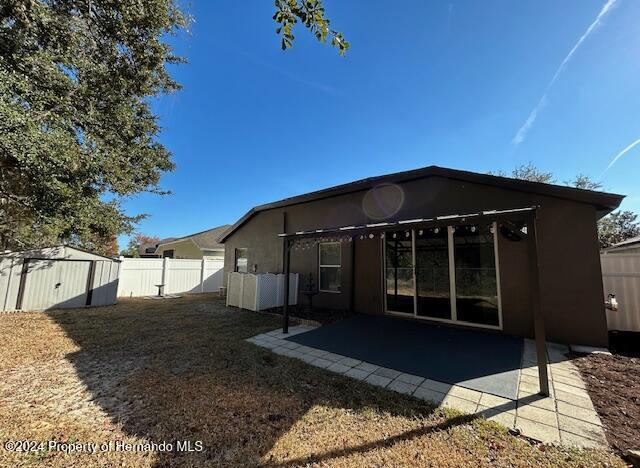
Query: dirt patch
{"x":613,"y":382}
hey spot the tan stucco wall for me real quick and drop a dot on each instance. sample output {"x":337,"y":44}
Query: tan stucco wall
{"x":181,"y":249}
{"x":571,"y":280}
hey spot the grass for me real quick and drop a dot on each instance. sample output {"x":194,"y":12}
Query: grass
{"x":154,"y":371}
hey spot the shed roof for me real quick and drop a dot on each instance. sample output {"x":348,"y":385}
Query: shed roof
{"x":604,"y":202}
{"x":59,"y":252}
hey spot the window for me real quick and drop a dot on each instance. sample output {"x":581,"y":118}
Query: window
{"x":330,"y":266}
{"x":241,"y":260}
{"x":167,"y":254}
{"x":449,"y":274}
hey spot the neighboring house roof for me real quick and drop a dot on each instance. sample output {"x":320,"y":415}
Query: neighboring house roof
{"x":150,"y":247}
{"x":205,"y":240}
{"x":604,"y":202}
{"x":625,"y":244}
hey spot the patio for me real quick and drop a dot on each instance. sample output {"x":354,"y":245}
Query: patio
{"x":454,"y":368}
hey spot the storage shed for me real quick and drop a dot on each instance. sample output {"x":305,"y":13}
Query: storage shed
{"x":56,"y":278}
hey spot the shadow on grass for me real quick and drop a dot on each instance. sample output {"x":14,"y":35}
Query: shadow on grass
{"x":180,"y":370}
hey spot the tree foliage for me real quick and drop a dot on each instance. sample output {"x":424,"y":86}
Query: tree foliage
{"x":584,"y":182}
{"x":531,"y":173}
{"x":137,"y":241}
{"x":617,"y":227}
{"x":613,"y":228}
{"x":76,"y":130}
{"x":311,"y":14}
{"x":528,"y":172}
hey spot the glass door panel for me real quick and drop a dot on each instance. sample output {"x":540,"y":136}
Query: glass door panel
{"x":399,"y":272}
{"x":432,"y":273}
{"x":475,"y":273}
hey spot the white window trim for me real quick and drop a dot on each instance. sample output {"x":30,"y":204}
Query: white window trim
{"x":320,"y":266}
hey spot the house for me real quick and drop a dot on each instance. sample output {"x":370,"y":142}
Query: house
{"x":443,"y":245}
{"x":148,"y":250}
{"x":203,"y":244}
{"x":629,"y":246}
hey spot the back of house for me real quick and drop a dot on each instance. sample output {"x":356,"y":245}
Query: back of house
{"x":460,"y":274}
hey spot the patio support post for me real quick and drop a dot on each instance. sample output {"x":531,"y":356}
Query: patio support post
{"x":285,"y":308}
{"x":538,"y":319}
{"x":352,"y":296}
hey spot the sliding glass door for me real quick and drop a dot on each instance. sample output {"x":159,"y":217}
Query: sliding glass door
{"x":399,"y":272}
{"x":432,"y":273}
{"x":476,"y":278}
{"x":447,"y":274}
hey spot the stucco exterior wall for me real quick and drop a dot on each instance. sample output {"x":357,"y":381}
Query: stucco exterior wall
{"x":571,"y":282}
{"x":181,"y":249}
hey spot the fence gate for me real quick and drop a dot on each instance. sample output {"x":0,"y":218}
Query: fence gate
{"x":54,"y":284}
{"x":621,"y":276}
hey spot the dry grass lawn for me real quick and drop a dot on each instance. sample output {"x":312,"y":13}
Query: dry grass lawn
{"x":153,"y":371}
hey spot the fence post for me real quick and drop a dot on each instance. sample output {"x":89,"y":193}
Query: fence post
{"x":202,"y":265}
{"x":165,"y":270}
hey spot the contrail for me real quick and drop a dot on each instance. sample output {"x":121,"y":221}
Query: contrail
{"x":622,"y":153}
{"x":522,"y":132}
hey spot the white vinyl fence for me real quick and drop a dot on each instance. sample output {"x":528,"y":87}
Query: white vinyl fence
{"x":140,"y":276}
{"x":621,"y":276}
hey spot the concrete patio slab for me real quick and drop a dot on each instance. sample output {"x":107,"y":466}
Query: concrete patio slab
{"x":378,"y":380}
{"x":402,"y":387}
{"x":566,"y":417}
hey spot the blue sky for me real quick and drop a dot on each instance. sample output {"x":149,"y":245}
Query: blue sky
{"x":450,"y":83}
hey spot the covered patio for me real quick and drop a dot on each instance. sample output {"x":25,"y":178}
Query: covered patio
{"x":452,"y":368}
{"x":477,"y":360}
{"x":433,"y":351}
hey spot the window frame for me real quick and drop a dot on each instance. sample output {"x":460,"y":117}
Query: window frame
{"x":452,"y":283}
{"x":235,"y":259}
{"x":321,"y":266}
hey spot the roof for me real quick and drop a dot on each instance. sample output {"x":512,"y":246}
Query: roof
{"x":60,"y":251}
{"x":604,"y":202}
{"x":149,"y":248}
{"x":204,"y":240}
{"x":625,"y":243}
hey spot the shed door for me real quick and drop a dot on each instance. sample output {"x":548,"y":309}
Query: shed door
{"x":54,"y":284}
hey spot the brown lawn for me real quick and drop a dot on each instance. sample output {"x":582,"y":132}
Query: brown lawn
{"x":178,"y":370}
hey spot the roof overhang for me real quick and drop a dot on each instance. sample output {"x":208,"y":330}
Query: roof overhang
{"x":602,"y":201}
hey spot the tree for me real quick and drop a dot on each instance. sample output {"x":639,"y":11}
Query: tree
{"x":135,"y":242}
{"x":617,"y":227}
{"x":77,"y":133}
{"x":311,"y":14}
{"x":613,"y":228}
{"x":527,"y":172}
{"x":531,"y":173}
{"x":584,"y":182}
{"x":75,"y":122}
